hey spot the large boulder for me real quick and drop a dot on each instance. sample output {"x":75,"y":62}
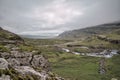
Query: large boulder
{"x":5,"y":77}
{"x":40,"y":61}
{"x":26,"y":70}
{"x":3,"y":64}
{"x":13,"y":62}
{"x":17,"y":58}
{"x":24,"y":58}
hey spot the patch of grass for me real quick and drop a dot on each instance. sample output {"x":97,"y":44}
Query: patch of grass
{"x":73,"y":67}
{"x":115,"y":35}
{"x":4,"y":49}
{"x":46,"y":41}
{"x":82,"y":50}
{"x":114,"y":67}
{"x":26,"y":48}
{"x":93,"y":42}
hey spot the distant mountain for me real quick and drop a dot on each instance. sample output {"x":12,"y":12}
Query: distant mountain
{"x":89,"y":31}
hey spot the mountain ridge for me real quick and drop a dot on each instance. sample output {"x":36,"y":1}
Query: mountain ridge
{"x":88,"y":31}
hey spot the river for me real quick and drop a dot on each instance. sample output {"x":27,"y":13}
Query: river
{"x":104,"y":53}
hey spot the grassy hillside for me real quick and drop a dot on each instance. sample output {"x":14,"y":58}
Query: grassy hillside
{"x":6,"y":35}
{"x":89,"y":31}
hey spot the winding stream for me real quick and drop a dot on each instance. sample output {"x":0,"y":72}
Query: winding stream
{"x":104,"y":53}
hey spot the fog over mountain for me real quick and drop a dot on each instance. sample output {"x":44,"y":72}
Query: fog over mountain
{"x":52,"y":17}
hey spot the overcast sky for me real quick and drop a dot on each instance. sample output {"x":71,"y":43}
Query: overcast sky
{"x":46,"y":17}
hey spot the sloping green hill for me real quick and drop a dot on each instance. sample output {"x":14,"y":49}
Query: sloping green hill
{"x":95,"y":30}
{"x":6,"y":35}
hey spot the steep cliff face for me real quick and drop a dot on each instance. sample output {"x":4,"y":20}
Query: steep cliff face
{"x":16,"y":64}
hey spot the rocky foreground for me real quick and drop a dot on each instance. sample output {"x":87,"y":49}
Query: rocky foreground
{"x":22,"y":65}
{"x":25,"y":66}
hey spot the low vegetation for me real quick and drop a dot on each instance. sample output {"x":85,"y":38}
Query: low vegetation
{"x":46,"y":41}
{"x":27,"y":48}
{"x":4,"y":49}
{"x":6,"y":35}
{"x":74,"y":67}
{"x":71,"y":66}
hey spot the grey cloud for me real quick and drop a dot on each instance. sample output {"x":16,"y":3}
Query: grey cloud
{"x":19,"y":16}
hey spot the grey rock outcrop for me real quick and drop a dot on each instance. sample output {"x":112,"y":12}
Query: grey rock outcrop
{"x":13,"y":62}
{"x":39,"y":61}
{"x":3,"y":64}
{"x":5,"y":77}
{"x":25,"y":59}
{"x":18,"y":64}
{"x":26,"y":63}
{"x":30,"y":71}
